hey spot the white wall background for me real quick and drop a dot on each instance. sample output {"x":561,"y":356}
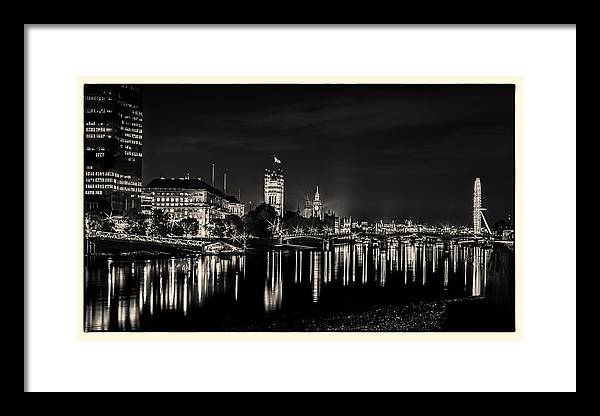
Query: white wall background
{"x":544,"y":360}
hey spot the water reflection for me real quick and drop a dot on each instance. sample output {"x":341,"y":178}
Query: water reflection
{"x":147,"y":294}
{"x":273,"y":296}
{"x":316,"y":275}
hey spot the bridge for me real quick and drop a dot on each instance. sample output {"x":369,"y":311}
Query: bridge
{"x":207,"y":246}
{"x":385,"y":239}
{"x":93,"y":238}
{"x":320,"y":237}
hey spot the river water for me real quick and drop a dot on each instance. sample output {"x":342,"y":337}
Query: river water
{"x":252,"y":291}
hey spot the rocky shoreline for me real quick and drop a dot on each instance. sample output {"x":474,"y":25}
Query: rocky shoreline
{"x":421,"y":316}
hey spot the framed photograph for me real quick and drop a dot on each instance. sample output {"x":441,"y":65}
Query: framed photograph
{"x":274,"y":208}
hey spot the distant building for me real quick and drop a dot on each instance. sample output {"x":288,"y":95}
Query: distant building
{"x":389,"y":227}
{"x":234,"y":206}
{"x":307,"y":211}
{"x":508,"y":235}
{"x":329,"y":219}
{"x":343,"y":225}
{"x":112,"y":136}
{"x":504,"y":228}
{"x":338,"y":224}
{"x":274,"y":189}
{"x":190,"y":198}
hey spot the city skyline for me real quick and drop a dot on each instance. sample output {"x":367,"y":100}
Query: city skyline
{"x":376,"y":151}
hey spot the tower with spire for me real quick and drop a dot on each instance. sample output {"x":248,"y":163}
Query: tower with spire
{"x":307,"y":211}
{"x":317,"y":206}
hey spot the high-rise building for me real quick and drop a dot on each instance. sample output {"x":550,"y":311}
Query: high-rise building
{"x":113,"y":118}
{"x":274,"y":189}
{"x":477,"y":207}
{"x":317,"y":206}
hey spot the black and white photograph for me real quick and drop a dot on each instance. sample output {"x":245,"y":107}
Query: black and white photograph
{"x":299,"y":207}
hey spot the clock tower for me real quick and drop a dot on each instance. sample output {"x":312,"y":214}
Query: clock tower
{"x":317,"y":206}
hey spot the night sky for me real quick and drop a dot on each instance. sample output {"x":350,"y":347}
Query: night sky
{"x":376,"y":151}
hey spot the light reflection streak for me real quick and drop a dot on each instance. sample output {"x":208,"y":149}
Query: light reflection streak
{"x":465,"y":266}
{"x":405,"y":265}
{"x":365,"y":264}
{"x":484,"y":267}
{"x":413,"y":263}
{"x":151,"y":298}
{"x":300,"y":267}
{"x":185,"y":295}
{"x":330,"y":257}
{"x":273,"y":293}
{"x":353,"y":251}
{"x":345,"y":264}
{"x":296,"y":266}
{"x":476,"y":273}
{"x":316,"y":271}
{"x":455,"y":258}
{"x":110,"y":282}
{"x":394,"y":260}
{"x":200,"y":276}
{"x":446,"y":273}
{"x":424,"y":264}
{"x":383,"y":268}
{"x":237,"y":279}
{"x":171,"y":285}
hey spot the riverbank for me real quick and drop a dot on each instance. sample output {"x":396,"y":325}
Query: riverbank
{"x":423,"y":316}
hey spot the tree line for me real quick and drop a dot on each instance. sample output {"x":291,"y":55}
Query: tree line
{"x":261,"y":222}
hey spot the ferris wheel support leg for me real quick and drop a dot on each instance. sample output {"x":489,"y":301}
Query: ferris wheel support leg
{"x":486,"y":223}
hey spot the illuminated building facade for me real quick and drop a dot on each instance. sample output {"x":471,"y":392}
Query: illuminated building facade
{"x":274,"y":189}
{"x":146,"y":203}
{"x":338,"y":224}
{"x":342,"y":225}
{"x":390,"y":227}
{"x":477,"y":207}
{"x":113,"y":118}
{"x":190,"y":198}
{"x":234,"y":206}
